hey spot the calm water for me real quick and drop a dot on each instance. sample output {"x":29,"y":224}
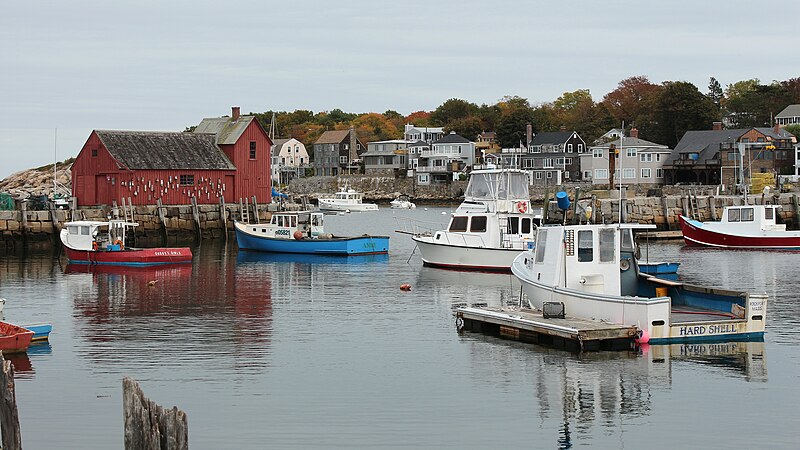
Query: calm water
{"x":295,"y":352}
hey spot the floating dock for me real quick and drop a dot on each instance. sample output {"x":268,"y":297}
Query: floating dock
{"x":658,"y":235}
{"x":528,"y":325}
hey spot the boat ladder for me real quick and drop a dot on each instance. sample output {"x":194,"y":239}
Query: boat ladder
{"x":694,"y":210}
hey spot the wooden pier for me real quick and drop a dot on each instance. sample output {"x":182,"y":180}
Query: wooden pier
{"x":527,"y":325}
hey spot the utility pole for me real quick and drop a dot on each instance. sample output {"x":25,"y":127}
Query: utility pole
{"x":612,"y":150}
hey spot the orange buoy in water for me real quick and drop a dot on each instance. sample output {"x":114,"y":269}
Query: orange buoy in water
{"x":298,"y":235}
{"x":405,"y":287}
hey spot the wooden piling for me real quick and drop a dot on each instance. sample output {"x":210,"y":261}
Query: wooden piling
{"x":575,"y":206}
{"x":666,"y":212}
{"x":595,"y":208}
{"x":9,"y":417}
{"x":712,"y":206}
{"x":223,"y":216}
{"x":162,"y":219}
{"x":255,"y":209}
{"x":196,"y":216}
{"x":148,"y":426}
{"x":546,"y":208}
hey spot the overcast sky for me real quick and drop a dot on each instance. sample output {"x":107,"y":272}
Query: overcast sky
{"x":76,"y":66}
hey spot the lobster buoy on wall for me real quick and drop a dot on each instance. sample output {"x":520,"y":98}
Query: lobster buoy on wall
{"x":405,"y":287}
{"x":298,"y":235}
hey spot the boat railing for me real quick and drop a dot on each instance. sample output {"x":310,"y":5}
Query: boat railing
{"x":417,"y":227}
{"x":464,"y":239}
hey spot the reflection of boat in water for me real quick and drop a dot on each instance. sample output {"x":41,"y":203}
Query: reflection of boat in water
{"x":303,"y":258}
{"x":156,"y":272}
{"x":747,"y":359}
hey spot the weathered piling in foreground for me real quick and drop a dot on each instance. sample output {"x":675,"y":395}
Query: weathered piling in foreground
{"x":148,"y":426}
{"x":9,"y":418}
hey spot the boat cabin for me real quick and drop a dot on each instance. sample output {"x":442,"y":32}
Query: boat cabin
{"x":283,"y":225}
{"x":755,"y":217}
{"x":88,"y":235}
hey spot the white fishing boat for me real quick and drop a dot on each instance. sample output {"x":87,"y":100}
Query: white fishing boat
{"x":402,"y":202}
{"x":742,"y":227}
{"x":345,"y":200}
{"x":493,"y":224}
{"x":592,"y":272}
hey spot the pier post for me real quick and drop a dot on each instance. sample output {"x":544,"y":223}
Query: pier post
{"x":149,"y":426}
{"x":712,"y":206}
{"x":9,"y":417}
{"x":575,"y":206}
{"x":665,"y":206}
{"x":255,"y":209}
{"x":546,"y":208}
{"x":796,"y":211}
{"x":162,"y":219}
{"x":595,"y":208}
{"x":196,"y":216}
{"x":223,"y":216}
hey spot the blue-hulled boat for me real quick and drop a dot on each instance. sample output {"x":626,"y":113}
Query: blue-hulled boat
{"x":303,"y":232}
{"x":41,"y":331}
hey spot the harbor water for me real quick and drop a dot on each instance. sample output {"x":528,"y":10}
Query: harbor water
{"x":294,"y":351}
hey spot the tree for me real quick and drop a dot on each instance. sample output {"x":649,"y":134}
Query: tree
{"x":467,"y":127}
{"x":372,"y":127}
{"x":715,"y":93}
{"x":451,"y":110}
{"x":511,"y":128}
{"x":749,"y":104}
{"x":677,"y":108}
{"x":419,"y":119}
{"x":628,"y":101}
{"x":794,"y":129}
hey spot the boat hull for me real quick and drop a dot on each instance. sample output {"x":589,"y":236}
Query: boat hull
{"x":41,"y":331}
{"x":358,"y":207}
{"x":131,"y":257}
{"x":456,"y":257}
{"x":14,"y":339}
{"x":698,"y":234}
{"x":361,"y":245}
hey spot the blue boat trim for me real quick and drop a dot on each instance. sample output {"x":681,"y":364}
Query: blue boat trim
{"x":41,"y":331}
{"x":732,"y":337}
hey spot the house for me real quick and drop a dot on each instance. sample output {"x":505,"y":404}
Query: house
{"x":415,"y":151}
{"x":553,"y":157}
{"x":426,"y":134}
{"x":386,"y":158}
{"x":789,"y":116}
{"x":486,"y":143}
{"x":716,"y":156}
{"x":290,"y":160}
{"x":637,"y":161}
{"x":337,"y":152}
{"x":147,"y":166}
{"x":610,"y":135}
{"x":446,"y":158}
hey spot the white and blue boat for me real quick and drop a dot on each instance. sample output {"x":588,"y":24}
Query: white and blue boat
{"x":303,"y":232}
{"x":41,"y":331}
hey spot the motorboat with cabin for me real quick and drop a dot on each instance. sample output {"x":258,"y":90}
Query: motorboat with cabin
{"x":346,"y":200}
{"x":303,"y":232}
{"x":493,"y":224}
{"x":592,"y":272}
{"x":742,"y":227}
{"x":402,"y":202}
{"x":104,"y":243}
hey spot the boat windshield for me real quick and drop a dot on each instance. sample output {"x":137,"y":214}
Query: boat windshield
{"x":497,"y":186}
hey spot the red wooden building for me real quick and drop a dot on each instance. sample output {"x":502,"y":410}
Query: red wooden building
{"x":227,"y":156}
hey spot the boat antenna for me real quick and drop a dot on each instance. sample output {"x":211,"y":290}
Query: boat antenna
{"x":621,"y":145}
{"x":55,"y":163}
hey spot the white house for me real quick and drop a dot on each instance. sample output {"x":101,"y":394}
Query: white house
{"x":289,"y":158}
{"x":425,"y":134}
{"x":445,"y":160}
{"x":638,"y":161}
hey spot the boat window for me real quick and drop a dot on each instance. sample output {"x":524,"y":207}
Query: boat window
{"x":606,"y":243}
{"x":769,"y":213}
{"x":733,"y":215}
{"x":459,"y":223}
{"x":293,"y":221}
{"x":72,"y":229}
{"x":316,"y":220}
{"x":478,"y":224}
{"x":513,"y":225}
{"x":85,"y":230}
{"x":541,"y":243}
{"x":747,"y":214}
{"x":274,"y":220}
{"x":626,"y":239}
{"x":585,"y":246}
{"x":526,"y":226}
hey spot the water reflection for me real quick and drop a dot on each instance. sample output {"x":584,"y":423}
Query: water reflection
{"x":23,"y":362}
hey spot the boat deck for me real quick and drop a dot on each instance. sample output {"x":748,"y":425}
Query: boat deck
{"x":529,"y":325}
{"x":688,"y":314}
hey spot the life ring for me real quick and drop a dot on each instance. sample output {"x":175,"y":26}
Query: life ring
{"x":522,"y":207}
{"x":459,"y":323}
{"x":119,"y":242}
{"x":94,"y":246}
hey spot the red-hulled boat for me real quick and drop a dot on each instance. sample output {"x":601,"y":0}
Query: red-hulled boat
{"x":742,"y":227}
{"x":95,"y":242}
{"x":14,"y":339}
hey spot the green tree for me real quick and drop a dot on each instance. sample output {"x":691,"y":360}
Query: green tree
{"x":794,"y":129}
{"x":511,"y":127}
{"x":451,"y":110}
{"x":677,"y":108}
{"x":754,"y":105}
{"x":715,"y":93}
{"x":467,"y":127}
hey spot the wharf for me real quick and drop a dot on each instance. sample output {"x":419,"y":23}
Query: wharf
{"x":527,"y":325}
{"x":671,"y":234}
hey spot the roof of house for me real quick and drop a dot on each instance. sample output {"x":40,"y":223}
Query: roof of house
{"x":419,"y":144}
{"x":487,"y":134}
{"x":228,"y":131}
{"x":452,"y":138}
{"x":631,"y":142}
{"x":790,"y":111}
{"x":150,"y":150}
{"x":775,"y":134}
{"x":551,"y":137}
{"x":333,"y":137}
{"x":277,"y":144}
{"x":378,"y":153}
{"x":705,"y":142}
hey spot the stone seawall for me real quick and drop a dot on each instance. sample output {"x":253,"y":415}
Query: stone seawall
{"x":211,"y":221}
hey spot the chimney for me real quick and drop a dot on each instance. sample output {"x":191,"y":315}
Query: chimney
{"x":528,"y":134}
{"x":777,"y":127}
{"x":353,"y":146}
{"x":716,"y":126}
{"x":563,"y":128}
{"x":634,"y":132}
{"x":235,"y":112}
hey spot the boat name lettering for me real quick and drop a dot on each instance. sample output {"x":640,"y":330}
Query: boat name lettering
{"x":702,"y":349}
{"x":699,"y":330}
{"x":168,"y":253}
{"x":282,"y":232}
{"x":756,"y":305}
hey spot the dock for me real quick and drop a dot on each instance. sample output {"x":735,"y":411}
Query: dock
{"x":665,"y":234}
{"x":528,"y":325}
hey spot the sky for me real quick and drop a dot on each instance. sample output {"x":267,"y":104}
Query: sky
{"x":67,"y":68}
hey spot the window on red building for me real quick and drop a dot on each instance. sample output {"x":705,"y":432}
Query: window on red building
{"x":187,"y":180}
{"x":252,"y":150}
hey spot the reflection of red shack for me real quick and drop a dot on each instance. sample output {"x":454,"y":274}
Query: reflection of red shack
{"x":227,"y":156}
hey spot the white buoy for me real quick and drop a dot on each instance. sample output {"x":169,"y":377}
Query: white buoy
{"x":444,"y":212}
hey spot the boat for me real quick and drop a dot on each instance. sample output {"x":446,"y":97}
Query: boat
{"x":402,"y":202}
{"x":303,"y":232}
{"x":742,"y":227}
{"x":493,"y":224}
{"x":591,"y":271}
{"x":41,"y":331}
{"x":345,"y":200}
{"x":13,"y":338}
{"x":98,"y":242}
